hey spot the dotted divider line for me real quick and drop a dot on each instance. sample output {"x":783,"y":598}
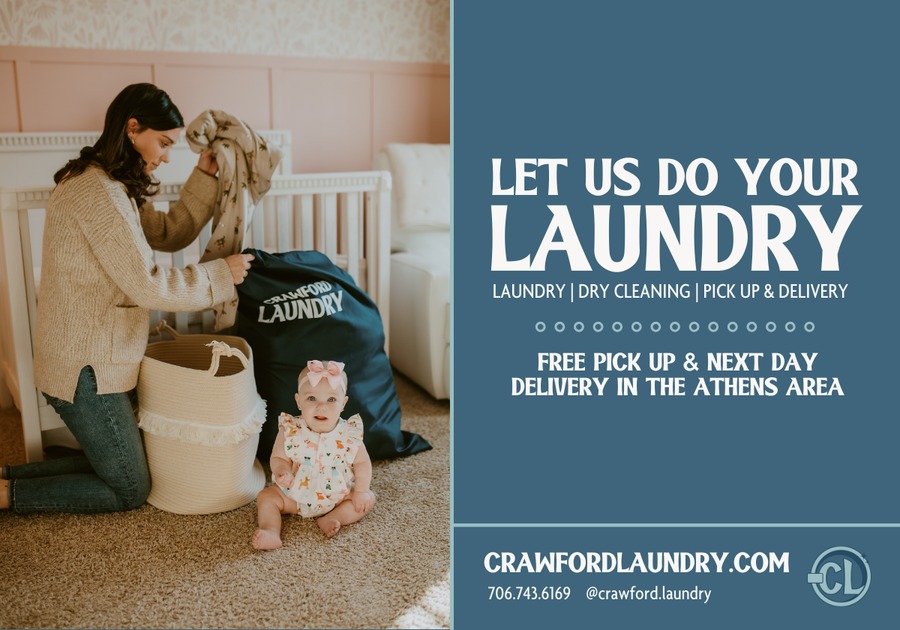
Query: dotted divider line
{"x":674,"y":327}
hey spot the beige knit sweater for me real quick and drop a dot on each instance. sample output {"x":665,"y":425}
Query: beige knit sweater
{"x":98,"y":279}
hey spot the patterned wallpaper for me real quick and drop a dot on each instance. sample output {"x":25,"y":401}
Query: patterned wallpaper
{"x":377,"y":30}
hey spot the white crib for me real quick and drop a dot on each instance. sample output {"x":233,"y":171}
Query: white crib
{"x":344,"y":215}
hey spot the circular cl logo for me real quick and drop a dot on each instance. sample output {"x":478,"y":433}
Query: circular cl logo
{"x":840,"y":576}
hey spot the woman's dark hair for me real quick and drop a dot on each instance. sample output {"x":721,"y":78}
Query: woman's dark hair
{"x":114,"y":152}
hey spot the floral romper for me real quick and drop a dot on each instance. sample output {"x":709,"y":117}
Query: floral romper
{"x":322,"y":463}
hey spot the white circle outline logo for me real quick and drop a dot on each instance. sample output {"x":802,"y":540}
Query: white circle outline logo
{"x":817,"y":576}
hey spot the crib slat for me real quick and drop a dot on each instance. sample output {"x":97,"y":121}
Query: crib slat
{"x":350,"y":233}
{"x":319,"y":222}
{"x":379,"y":256}
{"x":342,"y":222}
{"x":259,"y":228}
{"x":303,"y":221}
{"x":181,"y":323}
{"x":371,"y":233}
{"x":154,"y":320}
{"x":31,"y":295}
{"x":330,"y":244}
{"x":268,"y":208}
{"x":154,"y":315}
{"x":209,"y":318}
{"x":378,"y":269}
{"x":360,"y":200}
{"x":178,"y":263}
{"x":209,"y":321}
{"x":205,"y":235}
{"x":285,"y":223}
{"x":181,"y":319}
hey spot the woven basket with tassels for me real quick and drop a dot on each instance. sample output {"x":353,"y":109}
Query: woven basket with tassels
{"x":201,"y":418}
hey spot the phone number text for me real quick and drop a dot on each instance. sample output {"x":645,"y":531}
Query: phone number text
{"x":529,"y":592}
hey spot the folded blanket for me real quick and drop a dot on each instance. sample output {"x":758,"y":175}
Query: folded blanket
{"x":246,"y":163}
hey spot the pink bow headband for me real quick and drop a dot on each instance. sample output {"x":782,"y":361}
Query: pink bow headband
{"x":333,"y":373}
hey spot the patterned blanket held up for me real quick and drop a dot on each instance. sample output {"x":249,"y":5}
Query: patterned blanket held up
{"x":246,"y":165}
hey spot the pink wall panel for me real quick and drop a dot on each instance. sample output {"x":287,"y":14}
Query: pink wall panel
{"x":60,"y":96}
{"x":340,"y":112}
{"x":329,"y":115}
{"x":9,"y":108}
{"x":243,"y":92}
{"x":411,"y":108}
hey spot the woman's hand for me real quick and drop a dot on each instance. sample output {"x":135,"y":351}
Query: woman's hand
{"x":207,"y":163}
{"x":239,"y":265}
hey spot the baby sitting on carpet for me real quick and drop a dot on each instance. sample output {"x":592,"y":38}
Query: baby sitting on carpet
{"x":319,"y":462}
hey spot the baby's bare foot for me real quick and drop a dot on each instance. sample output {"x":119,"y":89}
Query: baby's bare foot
{"x":264,"y":539}
{"x":329,"y":525}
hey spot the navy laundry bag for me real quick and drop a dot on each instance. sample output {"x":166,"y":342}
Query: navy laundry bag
{"x":298,"y":306}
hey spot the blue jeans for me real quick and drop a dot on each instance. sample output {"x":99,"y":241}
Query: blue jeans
{"x":110,"y":476}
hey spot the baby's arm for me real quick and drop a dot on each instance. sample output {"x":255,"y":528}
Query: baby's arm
{"x":281,"y":465}
{"x":361,"y":495}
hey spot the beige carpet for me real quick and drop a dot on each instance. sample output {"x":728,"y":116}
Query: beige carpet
{"x":152,"y":569}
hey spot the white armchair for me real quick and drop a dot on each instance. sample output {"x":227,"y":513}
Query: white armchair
{"x":420,"y":262}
